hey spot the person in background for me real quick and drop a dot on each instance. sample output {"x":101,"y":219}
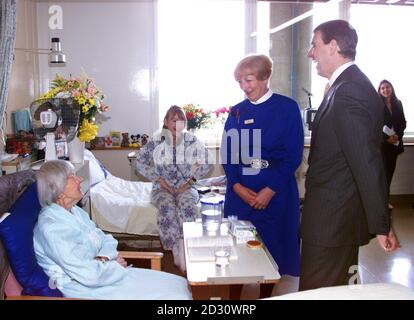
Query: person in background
{"x":261,"y":149}
{"x":393,"y":131}
{"x":78,"y":257}
{"x":346,"y":188}
{"x":167,"y":160}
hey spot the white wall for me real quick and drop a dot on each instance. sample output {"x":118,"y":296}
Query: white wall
{"x":23,"y":85}
{"x":113,"y":43}
{"x":402,"y":182}
{"x":96,"y":38}
{"x":116,"y":162}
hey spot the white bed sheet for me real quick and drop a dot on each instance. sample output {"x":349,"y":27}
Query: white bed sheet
{"x":372,"y":291}
{"x":123,"y":206}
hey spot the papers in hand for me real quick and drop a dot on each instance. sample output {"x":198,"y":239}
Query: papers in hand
{"x":390,"y":132}
{"x":203,"y":248}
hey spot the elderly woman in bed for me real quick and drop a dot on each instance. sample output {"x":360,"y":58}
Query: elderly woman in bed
{"x":78,"y":257}
{"x":167,"y":160}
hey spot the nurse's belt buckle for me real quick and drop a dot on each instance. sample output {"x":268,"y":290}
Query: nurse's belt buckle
{"x":259,"y":164}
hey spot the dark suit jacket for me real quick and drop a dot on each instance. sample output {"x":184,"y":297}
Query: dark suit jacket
{"x":346,"y":189}
{"x":397,"y":121}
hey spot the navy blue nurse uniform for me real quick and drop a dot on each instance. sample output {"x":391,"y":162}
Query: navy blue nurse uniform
{"x":271,"y":131}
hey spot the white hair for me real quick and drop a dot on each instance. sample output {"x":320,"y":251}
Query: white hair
{"x":51,"y":180}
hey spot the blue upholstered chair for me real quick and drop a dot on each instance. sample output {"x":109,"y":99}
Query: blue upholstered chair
{"x":20,"y":275}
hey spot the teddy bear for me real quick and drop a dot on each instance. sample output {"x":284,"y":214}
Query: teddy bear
{"x":125,"y":140}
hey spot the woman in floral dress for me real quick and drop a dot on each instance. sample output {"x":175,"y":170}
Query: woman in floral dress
{"x":174,"y":160}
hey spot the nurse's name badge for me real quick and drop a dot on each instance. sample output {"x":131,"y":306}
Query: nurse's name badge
{"x":249,"y":121}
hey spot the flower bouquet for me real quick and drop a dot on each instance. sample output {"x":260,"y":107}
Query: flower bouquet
{"x":90,"y":99}
{"x":197,"y":118}
{"x":222,"y":114}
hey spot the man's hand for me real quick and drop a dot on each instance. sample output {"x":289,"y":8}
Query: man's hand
{"x":389,"y":242}
{"x":392,"y":139}
{"x":263,"y":198}
{"x":246,"y":194}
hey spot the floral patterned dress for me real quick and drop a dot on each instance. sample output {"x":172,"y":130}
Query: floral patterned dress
{"x":176,"y":165}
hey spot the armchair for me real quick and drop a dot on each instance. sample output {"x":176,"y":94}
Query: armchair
{"x":11,"y":188}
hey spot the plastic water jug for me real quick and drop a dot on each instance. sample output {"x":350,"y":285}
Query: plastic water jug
{"x":211,"y":213}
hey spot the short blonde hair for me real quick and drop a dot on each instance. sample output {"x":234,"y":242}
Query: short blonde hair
{"x":51,"y":180}
{"x":258,"y":65}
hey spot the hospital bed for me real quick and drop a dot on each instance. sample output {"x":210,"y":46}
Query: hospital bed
{"x":123,"y":207}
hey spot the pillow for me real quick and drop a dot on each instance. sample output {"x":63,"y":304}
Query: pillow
{"x":97,"y":171}
{"x":16,"y":233}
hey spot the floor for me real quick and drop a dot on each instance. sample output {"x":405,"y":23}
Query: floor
{"x":397,"y":267}
{"x":374,"y":264}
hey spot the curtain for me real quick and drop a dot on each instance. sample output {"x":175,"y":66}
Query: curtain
{"x":7,"y":36}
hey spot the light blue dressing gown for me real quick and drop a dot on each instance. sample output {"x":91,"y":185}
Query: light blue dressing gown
{"x":66,"y":244}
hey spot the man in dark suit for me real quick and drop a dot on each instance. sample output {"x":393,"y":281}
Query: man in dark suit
{"x":346,"y":189}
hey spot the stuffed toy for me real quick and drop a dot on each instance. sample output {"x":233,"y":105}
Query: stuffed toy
{"x":136,"y":141}
{"x":125,"y":140}
{"x":144,"y":139}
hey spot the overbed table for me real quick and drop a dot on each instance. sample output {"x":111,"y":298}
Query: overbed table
{"x":251,"y":266}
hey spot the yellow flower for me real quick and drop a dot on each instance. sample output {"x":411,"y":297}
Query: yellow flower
{"x":81,"y":100}
{"x":50,"y":94}
{"x":87,"y":131}
{"x":88,"y":97}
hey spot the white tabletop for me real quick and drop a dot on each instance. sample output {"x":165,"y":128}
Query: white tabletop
{"x":251,"y":266}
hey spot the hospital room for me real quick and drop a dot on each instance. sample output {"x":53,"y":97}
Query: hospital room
{"x":206,"y":150}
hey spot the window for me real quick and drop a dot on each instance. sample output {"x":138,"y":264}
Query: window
{"x":199,"y":45}
{"x":322,"y":12}
{"x":385,"y":49}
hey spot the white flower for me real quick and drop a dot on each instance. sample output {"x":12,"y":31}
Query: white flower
{"x":63,"y":94}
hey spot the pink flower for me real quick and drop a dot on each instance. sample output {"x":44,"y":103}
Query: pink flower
{"x":221,"y":110}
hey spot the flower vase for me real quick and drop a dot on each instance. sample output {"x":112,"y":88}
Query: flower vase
{"x":76,"y":150}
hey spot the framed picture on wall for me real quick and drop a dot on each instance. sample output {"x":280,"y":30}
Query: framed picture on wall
{"x":116,"y":138}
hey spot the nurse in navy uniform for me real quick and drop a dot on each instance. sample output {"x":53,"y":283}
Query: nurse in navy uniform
{"x":261,"y":149}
